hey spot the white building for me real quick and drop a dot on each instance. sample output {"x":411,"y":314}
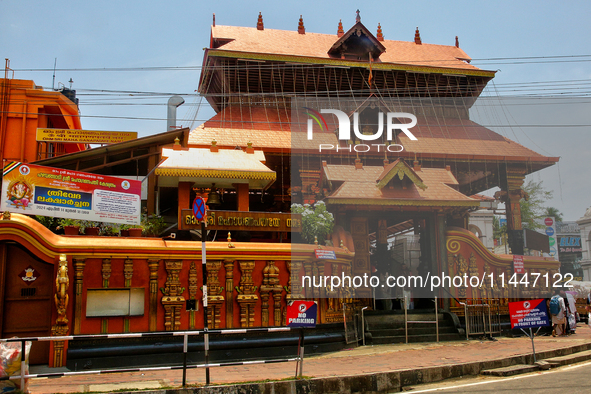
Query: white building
{"x":480,"y":221}
{"x":585,"y":230}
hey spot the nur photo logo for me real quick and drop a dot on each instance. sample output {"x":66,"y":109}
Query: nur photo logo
{"x":392,"y":123}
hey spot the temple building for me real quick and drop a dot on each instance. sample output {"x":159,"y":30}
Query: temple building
{"x":254,"y":159}
{"x":25,"y":108}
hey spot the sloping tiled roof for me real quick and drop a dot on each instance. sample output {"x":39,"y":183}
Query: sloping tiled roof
{"x":284,"y":42}
{"x":225,"y":164}
{"x":360,"y":187}
{"x":269,"y":128}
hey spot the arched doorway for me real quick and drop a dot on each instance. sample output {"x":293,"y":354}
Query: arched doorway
{"x":26,"y":290}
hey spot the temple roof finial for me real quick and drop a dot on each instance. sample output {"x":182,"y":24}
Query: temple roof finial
{"x":417,"y":37}
{"x":340,"y":31}
{"x":301,"y":28}
{"x":260,"y":25}
{"x":357,"y":18}
{"x":380,"y":36}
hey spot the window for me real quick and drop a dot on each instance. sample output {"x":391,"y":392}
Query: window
{"x":115,"y":302}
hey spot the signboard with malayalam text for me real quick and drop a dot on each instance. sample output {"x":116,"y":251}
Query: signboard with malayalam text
{"x":84,"y":136}
{"x":518,"y":266}
{"x":243,"y":221}
{"x":529,"y":313}
{"x":46,"y":191}
{"x":322,"y":254}
{"x":302,"y":314}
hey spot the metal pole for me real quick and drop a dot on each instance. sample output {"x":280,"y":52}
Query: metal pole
{"x":301,"y":352}
{"x":23,"y":360}
{"x":185,"y":348}
{"x":436,"y":319}
{"x":405,"y":321}
{"x":531,"y":335}
{"x":483,"y":321}
{"x":489,"y":323}
{"x":466,"y":320}
{"x":363,"y":324}
{"x":205,"y":324}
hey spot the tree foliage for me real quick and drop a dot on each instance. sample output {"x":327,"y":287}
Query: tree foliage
{"x":499,"y":230}
{"x":532,"y":210}
{"x":316,"y":221}
{"x":554,"y":212}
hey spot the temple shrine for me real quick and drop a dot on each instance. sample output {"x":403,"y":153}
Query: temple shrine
{"x":252,"y":161}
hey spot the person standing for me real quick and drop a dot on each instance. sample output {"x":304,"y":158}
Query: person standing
{"x":558,"y":313}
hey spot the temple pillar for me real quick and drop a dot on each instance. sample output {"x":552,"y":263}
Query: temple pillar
{"x":243,"y":203}
{"x":106,"y":273}
{"x":215,"y":299}
{"x":184,"y":197}
{"x":229,"y":266}
{"x":78,"y":285}
{"x":511,"y":194}
{"x":172,"y":296}
{"x":360,"y":235}
{"x":382,"y":256}
{"x":193,"y":293}
{"x":442,"y":265}
{"x":247,"y":297}
{"x":127,"y":274}
{"x":153,"y":306}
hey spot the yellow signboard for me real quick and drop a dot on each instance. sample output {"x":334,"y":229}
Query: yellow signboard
{"x":84,"y":136}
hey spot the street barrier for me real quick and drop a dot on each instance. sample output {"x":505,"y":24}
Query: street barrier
{"x":482,"y":319}
{"x":406,"y":321}
{"x":299,"y":359}
{"x":350,"y":322}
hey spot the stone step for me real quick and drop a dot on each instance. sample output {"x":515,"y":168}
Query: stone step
{"x":399,"y":318}
{"x":540,"y":365}
{"x":411,"y":326}
{"x":511,"y":370}
{"x":430,"y":329}
{"x":415,"y":338}
{"x":569,"y":358}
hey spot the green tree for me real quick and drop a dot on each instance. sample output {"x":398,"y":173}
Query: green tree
{"x":551,"y":211}
{"x":316,"y":221}
{"x":532,"y":209}
{"x":498,"y":230}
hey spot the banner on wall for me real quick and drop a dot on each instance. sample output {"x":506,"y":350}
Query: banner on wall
{"x":46,"y":191}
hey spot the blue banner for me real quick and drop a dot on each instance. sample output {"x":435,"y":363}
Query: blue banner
{"x":529,"y":314}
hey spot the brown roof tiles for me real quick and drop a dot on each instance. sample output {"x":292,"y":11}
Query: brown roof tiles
{"x":283,"y":42}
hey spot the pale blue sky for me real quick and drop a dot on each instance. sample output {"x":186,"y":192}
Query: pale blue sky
{"x":145,"y":34}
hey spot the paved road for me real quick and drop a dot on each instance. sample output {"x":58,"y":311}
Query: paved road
{"x":564,"y":380}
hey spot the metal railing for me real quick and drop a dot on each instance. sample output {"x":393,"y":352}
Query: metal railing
{"x":299,"y":359}
{"x":350,"y":322}
{"x":482,"y":319}
{"x":406,"y":321}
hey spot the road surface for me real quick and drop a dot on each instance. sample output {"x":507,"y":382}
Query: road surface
{"x":564,"y":380}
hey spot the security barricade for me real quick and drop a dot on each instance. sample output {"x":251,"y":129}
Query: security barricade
{"x":350,"y":322}
{"x":406,"y":321}
{"x":482,"y":319}
{"x":299,"y":359}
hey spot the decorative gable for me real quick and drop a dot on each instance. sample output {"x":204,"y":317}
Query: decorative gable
{"x":397,"y":172}
{"x":356,"y":44}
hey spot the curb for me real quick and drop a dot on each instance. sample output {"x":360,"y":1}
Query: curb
{"x":373,"y":383}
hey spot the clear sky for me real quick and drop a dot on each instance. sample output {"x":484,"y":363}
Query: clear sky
{"x":126,"y":58}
